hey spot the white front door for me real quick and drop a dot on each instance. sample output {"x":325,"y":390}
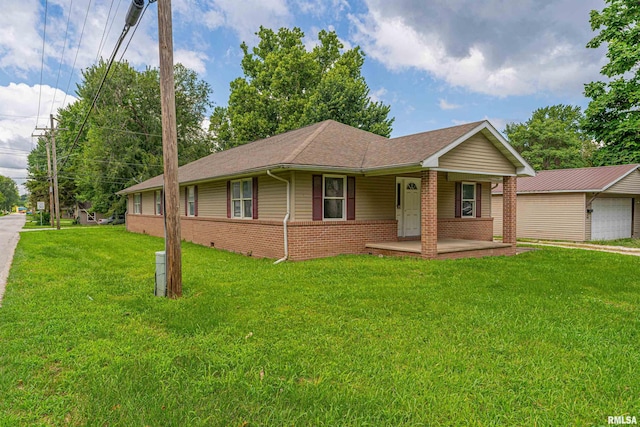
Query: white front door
{"x":408,"y":214}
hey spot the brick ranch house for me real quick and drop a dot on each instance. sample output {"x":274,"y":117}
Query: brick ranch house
{"x":330,"y":189}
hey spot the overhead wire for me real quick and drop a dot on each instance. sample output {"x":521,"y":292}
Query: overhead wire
{"x":104,"y":32}
{"x":73,"y":67}
{"x":64,"y":47}
{"x":44,"y":37}
{"x":135,"y":29}
{"x":125,"y":30}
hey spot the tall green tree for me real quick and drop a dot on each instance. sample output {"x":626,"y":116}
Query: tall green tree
{"x":9,"y":196}
{"x":613,"y":114}
{"x":121,"y":143}
{"x":552,"y":138}
{"x":285,"y":86}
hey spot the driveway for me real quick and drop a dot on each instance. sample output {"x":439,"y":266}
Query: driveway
{"x":9,"y":236}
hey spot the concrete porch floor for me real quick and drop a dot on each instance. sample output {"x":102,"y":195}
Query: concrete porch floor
{"x":444,"y":245}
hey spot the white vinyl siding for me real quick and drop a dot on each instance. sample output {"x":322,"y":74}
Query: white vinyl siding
{"x":212,"y":200}
{"x":148,"y":201}
{"x":557,"y":216}
{"x":272,"y":197}
{"x":477,"y":154}
{"x":375,"y":198}
{"x":303,"y":197}
{"x":627,"y":185}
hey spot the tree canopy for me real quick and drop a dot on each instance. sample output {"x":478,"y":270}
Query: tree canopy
{"x":9,"y":196}
{"x":285,"y":87}
{"x":552,"y":138}
{"x":121,"y":143}
{"x":613,"y":114}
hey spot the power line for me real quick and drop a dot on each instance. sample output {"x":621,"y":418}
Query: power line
{"x":44,"y":37}
{"x":111,"y":26}
{"x":64,"y":47}
{"x":104,"y":32}
{"x":134,"y":30}
{"x":86,"y":15}
{"x":130,"y":20}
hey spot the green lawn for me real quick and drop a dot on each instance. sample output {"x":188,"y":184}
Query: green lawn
{"x":33,"y":221}
{"x":629,"y":243}
{"x":547,"y":338}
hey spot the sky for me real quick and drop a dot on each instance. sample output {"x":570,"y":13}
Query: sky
{"x":437,"y":63}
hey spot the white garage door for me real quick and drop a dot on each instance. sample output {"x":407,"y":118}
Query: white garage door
{"x":611,"y":219}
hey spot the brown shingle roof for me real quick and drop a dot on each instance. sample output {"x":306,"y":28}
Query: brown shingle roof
{"x":412,"y":149}
{"x":324,"y":145}
{"x":572,"y":180}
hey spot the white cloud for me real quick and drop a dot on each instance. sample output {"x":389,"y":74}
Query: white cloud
{"x":376,"y":95}
{"x":444,"y":105}
{"x":20,"y":40}
{"x":18,"y":114}
{"x":496,"y":48}
{"x":246,"y":17}
{"x":191,"y":59}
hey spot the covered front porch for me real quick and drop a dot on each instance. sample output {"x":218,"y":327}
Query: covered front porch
{"x":446,"y":248}
{"x":450,"y":221}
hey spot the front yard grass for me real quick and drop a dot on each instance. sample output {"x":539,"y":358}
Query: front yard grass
{"x":629,"y":243}
{"x":33,"y":221}
{"x":549,"y":337}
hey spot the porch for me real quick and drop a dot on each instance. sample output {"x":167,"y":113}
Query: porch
{"x":446,"y":248}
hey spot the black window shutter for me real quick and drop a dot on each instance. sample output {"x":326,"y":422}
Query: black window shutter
{"x":478,"y":200}
{"x":351,"y":198}
{"x":317,"y":197}
{"x":186,"y":201}
{"x":254,"y":198}
{"x":458,"y":200}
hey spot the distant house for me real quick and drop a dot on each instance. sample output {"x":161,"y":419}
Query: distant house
{"x":600,"y":203}
{"x":330,"y":189}
{"x":86,"y":215}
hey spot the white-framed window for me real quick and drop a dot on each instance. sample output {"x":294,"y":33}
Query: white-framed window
{"x":191,"y":200}
{"x":158,"y":202}
{"x":137,"y":203}
{"x":242,"y":198}
{"x":468,"y":200}
{"x":334,"y":192}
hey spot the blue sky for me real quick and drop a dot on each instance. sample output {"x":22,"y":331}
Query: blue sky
{"x":438,"y":63}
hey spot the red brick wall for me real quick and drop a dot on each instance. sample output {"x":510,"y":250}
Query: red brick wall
{"x":509,"y":203}
{"x":316,"y":239}
{"x":307,"y":239}
{"x":429,"y":213}
{"x":263,"y":239}
{"x":466,"y":228}
{"x":152,"y":225}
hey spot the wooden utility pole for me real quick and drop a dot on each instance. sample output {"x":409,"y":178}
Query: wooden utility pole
{"x":54,"y":208}
{"x":170,"y":152}
{"x":49,"y":181}
{"x":55,"y":173}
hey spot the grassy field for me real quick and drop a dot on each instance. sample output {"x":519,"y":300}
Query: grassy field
{"x":629,"y":243}
{"x":33,"y":221}
{"x":547,"y":338}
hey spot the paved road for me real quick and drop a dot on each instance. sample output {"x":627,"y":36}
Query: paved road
{"x":9,"y":236}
